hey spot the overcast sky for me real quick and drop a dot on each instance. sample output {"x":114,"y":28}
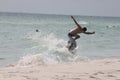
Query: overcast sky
{"x":68,"y":7}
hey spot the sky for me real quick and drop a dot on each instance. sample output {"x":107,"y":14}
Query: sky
{"x":66,"y":7}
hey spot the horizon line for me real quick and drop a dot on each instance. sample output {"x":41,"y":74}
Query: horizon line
{"x":57,"y":14}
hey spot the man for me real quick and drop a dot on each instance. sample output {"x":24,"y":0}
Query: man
{"x":73,"y":34}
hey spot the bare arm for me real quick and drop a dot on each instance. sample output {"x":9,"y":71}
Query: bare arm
{"x":89,"y":32}
{"x":75,"y":22}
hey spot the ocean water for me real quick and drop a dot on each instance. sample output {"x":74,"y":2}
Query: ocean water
{"x":20,"y":44}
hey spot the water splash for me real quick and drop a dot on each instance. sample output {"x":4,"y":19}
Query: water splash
{"x":54,"y":52}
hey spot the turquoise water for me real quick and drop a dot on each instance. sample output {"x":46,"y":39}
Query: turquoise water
{"x":21,"y":44}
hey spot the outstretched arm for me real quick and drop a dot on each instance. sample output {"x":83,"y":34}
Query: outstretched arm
{"x":75,"y":22}
{"x":89,"y":32}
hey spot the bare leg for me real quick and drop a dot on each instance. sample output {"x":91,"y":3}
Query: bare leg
{"x":69,"y":45}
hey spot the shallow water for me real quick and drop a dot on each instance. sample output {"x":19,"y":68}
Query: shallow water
{"x":20,"y":43}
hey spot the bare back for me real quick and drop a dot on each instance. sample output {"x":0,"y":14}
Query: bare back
{"x":75,"y":31}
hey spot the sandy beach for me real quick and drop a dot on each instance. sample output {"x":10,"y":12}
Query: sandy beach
{"x":105,"y":69}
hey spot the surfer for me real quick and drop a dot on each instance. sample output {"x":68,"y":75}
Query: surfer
{"x":74,"y":34}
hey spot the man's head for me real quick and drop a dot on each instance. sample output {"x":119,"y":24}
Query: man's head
{"x":84,"y":28}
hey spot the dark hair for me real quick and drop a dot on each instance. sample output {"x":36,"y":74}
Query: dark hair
{"x":84,"y":28}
